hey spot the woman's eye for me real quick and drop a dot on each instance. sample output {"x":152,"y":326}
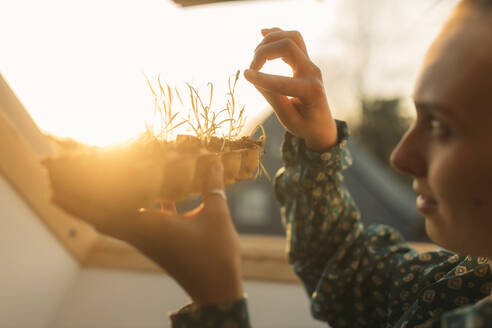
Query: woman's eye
{"x":437,"y":126}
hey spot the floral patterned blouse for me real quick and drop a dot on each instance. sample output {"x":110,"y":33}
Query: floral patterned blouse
{"x":356,"y":276}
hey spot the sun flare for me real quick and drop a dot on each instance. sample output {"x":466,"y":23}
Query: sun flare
{"x":81,"y":67}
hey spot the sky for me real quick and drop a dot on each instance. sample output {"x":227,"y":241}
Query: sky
{"x":80,"y":67}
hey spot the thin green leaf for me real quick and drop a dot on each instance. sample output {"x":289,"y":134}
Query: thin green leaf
{"x":179,"y":96}
{"x":179,"y":124}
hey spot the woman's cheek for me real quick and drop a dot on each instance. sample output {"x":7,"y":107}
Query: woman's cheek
{"x":461,"y":182}
{"x":449,"y":184}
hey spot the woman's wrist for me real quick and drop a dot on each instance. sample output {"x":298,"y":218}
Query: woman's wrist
{"x":224,"y":289}
{"x":324,"y":140}
{"x":220,"y":297}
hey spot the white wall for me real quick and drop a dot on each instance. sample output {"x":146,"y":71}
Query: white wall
{"x":35,"y":270}
{"x":116,"y":299}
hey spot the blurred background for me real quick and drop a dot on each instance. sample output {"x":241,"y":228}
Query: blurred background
{"x":80,"y":69}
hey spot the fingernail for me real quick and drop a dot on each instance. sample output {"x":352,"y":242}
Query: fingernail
{"x":249,"y":73}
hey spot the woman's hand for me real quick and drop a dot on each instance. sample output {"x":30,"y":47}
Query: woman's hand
{"x":299,"y":102}
{"x":199,"y":249}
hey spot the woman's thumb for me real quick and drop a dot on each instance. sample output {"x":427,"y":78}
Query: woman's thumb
{"x":213,"y":189}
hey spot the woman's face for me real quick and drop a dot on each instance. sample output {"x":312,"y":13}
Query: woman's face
{"x":448,"y":150}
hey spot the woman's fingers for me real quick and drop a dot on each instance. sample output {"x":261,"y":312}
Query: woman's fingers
{"x":276,"y":88}
{"x":113,"y":224}
{"x":266,"y":31}
{"x":75,"y":208}
{"x":168,"y":206}
{"x":133,"y":227}
{"x":287,"y":50}
{"x":282,"y":85}
{"x":213,"y":187}
{"x":276,"y":34}
{"x":283,"y":107}
{"x":214,"y":197}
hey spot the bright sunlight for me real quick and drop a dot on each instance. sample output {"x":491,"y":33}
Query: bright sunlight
{"x":80,"y":67}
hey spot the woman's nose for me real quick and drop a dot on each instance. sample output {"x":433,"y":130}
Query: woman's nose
{"x":408,"y":157}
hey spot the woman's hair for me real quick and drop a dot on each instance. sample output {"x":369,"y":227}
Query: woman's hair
{"x":478,"y":4}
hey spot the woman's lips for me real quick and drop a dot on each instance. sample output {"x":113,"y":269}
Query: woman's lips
{"x":426,"y":205}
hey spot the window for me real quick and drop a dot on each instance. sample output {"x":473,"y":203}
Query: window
{"x":252,"y":207}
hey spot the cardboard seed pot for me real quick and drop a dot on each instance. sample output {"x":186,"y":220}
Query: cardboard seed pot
{"x":129,"y":179}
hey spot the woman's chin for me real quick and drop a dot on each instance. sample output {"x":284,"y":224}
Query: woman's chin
{"x":435,"y":232}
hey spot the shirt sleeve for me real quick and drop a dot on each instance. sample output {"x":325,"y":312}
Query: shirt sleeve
{"x":343,"y":266}
{"x":233,"y":314}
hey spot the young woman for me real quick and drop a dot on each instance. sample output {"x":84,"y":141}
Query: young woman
{"x":354,"y":276}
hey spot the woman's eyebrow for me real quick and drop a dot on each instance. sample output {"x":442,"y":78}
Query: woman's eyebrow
{"x":432,"y":107}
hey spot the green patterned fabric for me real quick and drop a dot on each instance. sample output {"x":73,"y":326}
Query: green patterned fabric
{"x":356,"y":277}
